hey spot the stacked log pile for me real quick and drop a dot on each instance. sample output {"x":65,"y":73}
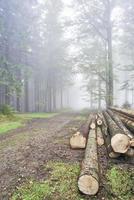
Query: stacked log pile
{"x":107,"y":128}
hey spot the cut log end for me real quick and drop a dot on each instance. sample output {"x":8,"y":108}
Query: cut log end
{"x":99,"y":122}
{"x":88,"y":185}
{"x":120,"y":143}
{"x":132,"y":142}
{"x":92,"y":125}
{"x":77,"y":141}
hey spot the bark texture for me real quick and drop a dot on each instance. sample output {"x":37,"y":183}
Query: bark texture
{"x":88,"y":182}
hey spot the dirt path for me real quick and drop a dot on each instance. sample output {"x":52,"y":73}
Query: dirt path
{"x":24,"y":152}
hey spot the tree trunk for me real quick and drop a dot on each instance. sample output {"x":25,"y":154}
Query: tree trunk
{"x":88,"y":182}
{"x":85,"y":128}
{"x":109,"y":46}
{"x":93,"y":122}
{"x":132,"y":142}
{"x":128,"y":123}
{"x":127,"y":112}
{"x":61,"y":97}
{"x":78,"y":141}
{"x":26,"y":89}
{"x":120,"y":142}
{"x":100,"y":139}
{"x":119,"y":123}
{"x":99,"y":120}
{"x":107,"y":141}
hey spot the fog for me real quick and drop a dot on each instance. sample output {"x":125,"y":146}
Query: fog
{"x":61,"y":54}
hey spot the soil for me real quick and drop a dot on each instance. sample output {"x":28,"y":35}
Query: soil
{"x":25,"y":151}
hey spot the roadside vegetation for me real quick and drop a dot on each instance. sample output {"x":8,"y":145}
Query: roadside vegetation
{"x":61,"y":184}
{"x":10,"y":120}
{"x":120,"y":183}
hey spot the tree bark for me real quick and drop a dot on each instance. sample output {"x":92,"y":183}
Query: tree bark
{"x":85,"y":128}
{"x":88,"y":182}
{"x":119,"y":123}
{"x":120,"y":142}
{"x":100,"y":139}
{"x":128,"y":123}
{"x":110,"y":61}
{"x":129,"y":113}
{"x":107,"y":141}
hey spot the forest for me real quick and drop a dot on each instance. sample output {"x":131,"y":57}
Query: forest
{"x":44,"y":45}
{"x":66,"y":99}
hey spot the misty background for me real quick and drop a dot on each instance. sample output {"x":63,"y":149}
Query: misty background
{"x":57,"y":54}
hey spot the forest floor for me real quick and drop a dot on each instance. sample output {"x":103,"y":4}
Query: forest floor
{"x":36,"y":162}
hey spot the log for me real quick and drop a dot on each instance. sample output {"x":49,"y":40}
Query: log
{"x":120,"y":142}
{"x":127,"y":112}
{"x":130,"y":152}
{"x":100,"y":139}
{"x":126,"y":120}
{"x":128,"y":123}
{"x":107,"y":142}
{"x":99,"y":120}
{"x":120,"y":123}
{"x":88,"y":182}
{"x":104,"y":127}
{"x":124,"y":116}
{"x":84,"y":130}
{"x":93,"y":122}
{"x":78,"y":141}
{"x":132,"y":142}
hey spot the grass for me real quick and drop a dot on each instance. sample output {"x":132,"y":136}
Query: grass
{"x":120,"y":182}
{"x":81,"y":117}
{"x":18,"y":120}
{"x":9,"y":125}
{"x":35,"y":115}
{"x":61,"y":184}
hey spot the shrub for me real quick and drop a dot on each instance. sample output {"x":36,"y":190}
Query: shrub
{"x":6,"y":110}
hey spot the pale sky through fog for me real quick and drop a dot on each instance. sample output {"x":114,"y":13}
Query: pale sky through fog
{"x":70,"y":13}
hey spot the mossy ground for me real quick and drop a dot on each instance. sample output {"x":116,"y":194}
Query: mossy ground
{"x":61,"y":184}
{"x":120,"y":183}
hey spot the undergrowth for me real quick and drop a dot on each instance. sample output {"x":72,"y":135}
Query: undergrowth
{"x":61,"y":185}
{"x":121,"y":183}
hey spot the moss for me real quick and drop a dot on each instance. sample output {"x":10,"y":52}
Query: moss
{"x":61,"y":185}
{"x":120,"y":182}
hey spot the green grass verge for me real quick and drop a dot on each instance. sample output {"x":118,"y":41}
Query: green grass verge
{"x":120,"y":182}
{"x":35,"y":115}
{"x":9,"y":125}
{"x":61,"y":185}
{"x":18,"y":120}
